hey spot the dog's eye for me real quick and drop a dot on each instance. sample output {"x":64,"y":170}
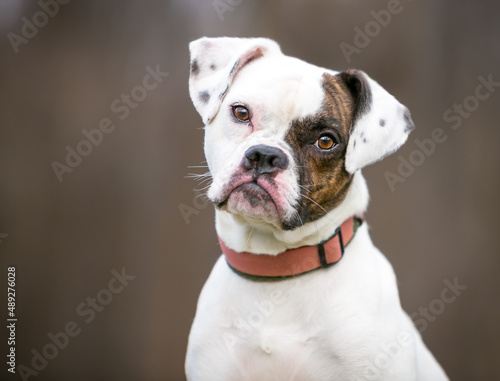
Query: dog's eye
{"x":325,"y":142}
{"x":241,"y":113}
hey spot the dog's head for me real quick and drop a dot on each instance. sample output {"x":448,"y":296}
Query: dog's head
{"x":283,"y":138}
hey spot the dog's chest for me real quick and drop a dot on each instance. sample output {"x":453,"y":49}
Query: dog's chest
{"x":275,"y":352}
{"x":288,"y":330}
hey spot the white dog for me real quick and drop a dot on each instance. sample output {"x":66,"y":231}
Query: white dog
{"x":285,"y":143}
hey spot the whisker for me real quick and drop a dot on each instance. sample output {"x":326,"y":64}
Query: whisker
{"x":298,"y":216}
{"x":250,"y":235}
{"x":308,"y":185}
{"x":202,"y":189}
{"x":307,"y":190}
{"x":204,"y":181}
{"x":208,"y":182}
{"x":202,"y":195}
{"x":310,"y":199}
{"x":197,"y":175}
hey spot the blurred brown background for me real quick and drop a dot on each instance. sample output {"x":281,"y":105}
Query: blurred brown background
{"x":119,"y":208}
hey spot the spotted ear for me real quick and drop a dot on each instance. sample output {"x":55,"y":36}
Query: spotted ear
{"x":214,"y":64}
{"x":380,"y":123}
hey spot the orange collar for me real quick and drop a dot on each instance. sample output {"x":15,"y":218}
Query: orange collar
{"x":293,"y":262}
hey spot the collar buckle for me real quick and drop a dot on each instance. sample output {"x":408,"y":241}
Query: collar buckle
{"x":321,"y":249}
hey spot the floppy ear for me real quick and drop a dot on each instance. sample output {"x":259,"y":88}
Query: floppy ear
{"x":380,"y":123}
{"x":214,"y":64}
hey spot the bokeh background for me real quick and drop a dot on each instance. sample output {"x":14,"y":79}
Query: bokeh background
{"x":120,"y":208}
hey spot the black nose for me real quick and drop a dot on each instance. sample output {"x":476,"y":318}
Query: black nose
{"x":265,"y":159}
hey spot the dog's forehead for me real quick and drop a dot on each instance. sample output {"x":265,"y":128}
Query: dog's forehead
{"x":284,"y":89}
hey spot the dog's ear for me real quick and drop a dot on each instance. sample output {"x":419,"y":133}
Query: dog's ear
{"x":380,"y":124}
{"x":214,"y":64}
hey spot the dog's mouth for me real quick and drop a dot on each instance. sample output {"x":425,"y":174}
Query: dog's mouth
{"x":254,"y":193}
{"x":250,"y":199}
{"x":264,"y":199}
{"x":251,"y":192}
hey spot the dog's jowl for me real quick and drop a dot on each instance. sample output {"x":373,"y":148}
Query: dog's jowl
{"x":300,"y":292}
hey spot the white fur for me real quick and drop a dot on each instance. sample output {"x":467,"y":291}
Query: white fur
{"x":380,"y":140}
{"x":342,"y":323}
{"x":222,"y":53}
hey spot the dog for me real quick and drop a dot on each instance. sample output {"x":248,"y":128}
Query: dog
{"x":300,"y":292}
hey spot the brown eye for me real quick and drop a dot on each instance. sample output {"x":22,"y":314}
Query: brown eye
{"x":241,"y":113}
{"x":325,"y":142}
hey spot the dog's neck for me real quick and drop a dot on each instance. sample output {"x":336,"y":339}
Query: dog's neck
{"x":267,"y":239}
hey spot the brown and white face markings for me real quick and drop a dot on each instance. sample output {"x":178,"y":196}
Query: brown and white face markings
{"x":328,"y":125}
{"x":322,"y":176}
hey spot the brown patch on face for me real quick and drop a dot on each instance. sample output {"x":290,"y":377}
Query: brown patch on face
{"x":323,"y":179}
